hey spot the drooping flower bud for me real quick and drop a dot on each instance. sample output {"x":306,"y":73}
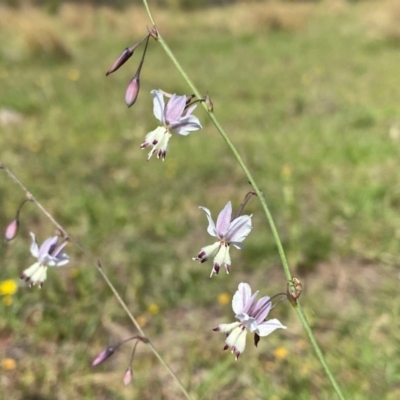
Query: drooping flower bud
{"x":132,"y":91}
{"x":128,"y":376}
{"x":121,"y":60}
{"x":124,"y":56}
{"x":11,"y":230}
{"x":106,"y":353}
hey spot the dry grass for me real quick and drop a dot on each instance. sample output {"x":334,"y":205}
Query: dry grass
{"x":29,"y":32}
{"x":384,"y":21}
{"x":32,"y":32}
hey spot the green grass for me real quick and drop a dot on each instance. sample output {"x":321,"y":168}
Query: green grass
{"x":311,"y":113}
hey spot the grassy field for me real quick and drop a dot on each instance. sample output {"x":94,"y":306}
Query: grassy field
{"x":310,"y":95}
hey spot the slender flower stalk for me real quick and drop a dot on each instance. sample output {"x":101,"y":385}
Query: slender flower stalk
{"x":260,"y":195}
{"x":99,"y":267}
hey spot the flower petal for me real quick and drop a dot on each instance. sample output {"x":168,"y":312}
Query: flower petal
{"x":174,"y":109}
{"x":261,"y":309}
{"x":185,"y":125}
{"x":47,"y":247}
{"x":36,"y":273}
{"x":190,"y":110}
{"x":268,"y":327}
{"x":34,"y":246}
{"x":159,"y":139}
{"x":224,"y":220}
{"x":158,"y":105}
{"x":207,"y":252}
{"x":237,"y":340}
{"x":227,"y":328}
{"x":62,"y":259}
{"x":239,"y":228}
{"x":241,"y":297}
{"x":58,"y":250}
{"x":211,"y":226}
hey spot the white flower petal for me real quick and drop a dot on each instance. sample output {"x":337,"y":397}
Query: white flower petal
{"x":240,"y":298}
{"x":237,"y":340}
{"x":158,"y":105}
{"x":268,"y":327}
{"x":62,"y":259}
{"x":227,"y":328}
{"x":159,"y":139}
{"x":222,"y":258}
{"x":239,"y":229}
{"x":39,"y":276}
{"x":36,"y":273}
{"x":34,"y":246}
{"x":207,"y":252}
{"x":185,"y":125}
{"x":211,"y":226}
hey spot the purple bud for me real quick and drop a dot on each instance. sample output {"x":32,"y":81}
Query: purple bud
{"x":12,"y":230}
{"x":132,"y":91}
{"x":106,"y":353}
{"x":121,"y":60}
{"x":128,"y":376}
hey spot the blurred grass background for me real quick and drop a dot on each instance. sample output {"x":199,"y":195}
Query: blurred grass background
{"x":309,"y":93}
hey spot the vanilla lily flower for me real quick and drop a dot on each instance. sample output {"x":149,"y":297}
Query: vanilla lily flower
{"x":228,"y":232}
{"x":48,"y":255}
{"x":251,"y":316}
{"x":174,"y":117}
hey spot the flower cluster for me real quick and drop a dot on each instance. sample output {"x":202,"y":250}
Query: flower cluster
{"x":175,"y":116}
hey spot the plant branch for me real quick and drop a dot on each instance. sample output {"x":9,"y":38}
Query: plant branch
{"x":263,"y":201}
{"x":99,"y":267}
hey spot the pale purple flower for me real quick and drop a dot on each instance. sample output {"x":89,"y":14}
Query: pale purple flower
{"x":173,"y":117}
{"x":251,"y":316}
{"x":48,"y":255}
{"x":228,"y":232}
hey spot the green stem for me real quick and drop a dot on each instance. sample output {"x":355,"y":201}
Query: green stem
{"x":99,"y":267}
{"x":264,"y":205}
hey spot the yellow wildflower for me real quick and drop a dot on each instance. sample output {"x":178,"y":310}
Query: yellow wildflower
{"x":153,"y":308}
{"x":8,"y":364}
{"x":224,"y":298}
{"x":8,"y":287}
{"x":280,"y":353}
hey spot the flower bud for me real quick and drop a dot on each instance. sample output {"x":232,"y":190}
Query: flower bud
{"x":106,"y":353}
{"x":125,"y":56}
{"x":11,"y":230}
{"x":132,"y":91}
{"x":128,"y":376}
{"x":121,"y":60}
